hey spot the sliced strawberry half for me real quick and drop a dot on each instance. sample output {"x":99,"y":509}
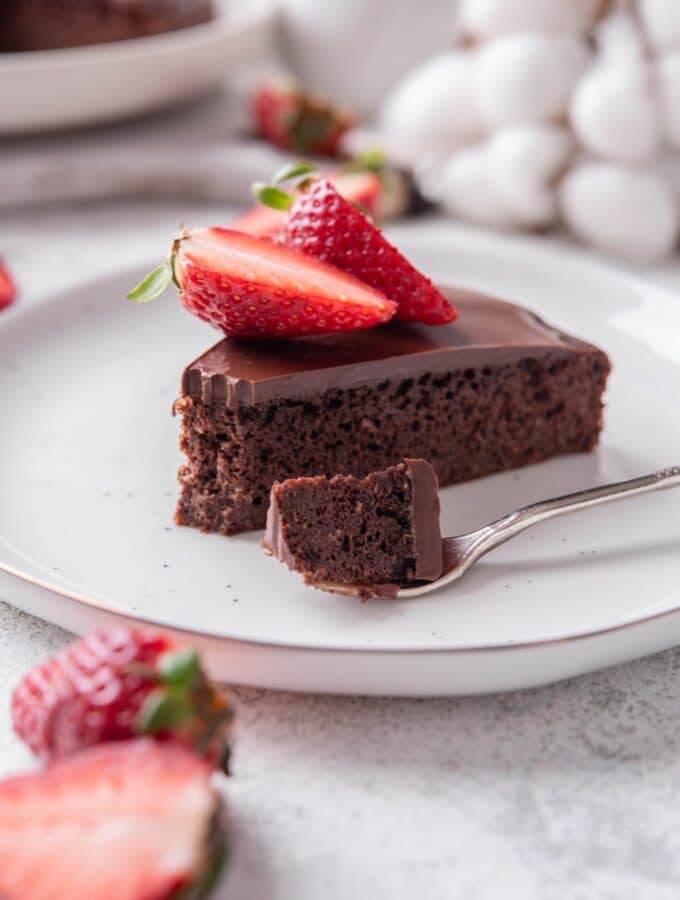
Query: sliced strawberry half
{"x":252,"y":288}
{"x":363,"y":188}
{"x":324,"y":225}
{"x":135,"y":820}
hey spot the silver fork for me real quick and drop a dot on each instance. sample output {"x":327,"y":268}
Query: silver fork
{"x":462,"y":551}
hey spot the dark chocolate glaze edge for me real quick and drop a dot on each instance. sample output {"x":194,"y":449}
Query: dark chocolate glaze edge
{"x":488,"y":332}
{"x":425,"y":514}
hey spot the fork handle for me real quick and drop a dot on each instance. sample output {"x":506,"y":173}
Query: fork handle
{"x":511,"y":524}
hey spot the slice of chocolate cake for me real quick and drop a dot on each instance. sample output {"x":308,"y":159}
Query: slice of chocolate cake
{"x":494,"y":390}
{"x":55,"y":24}
{"x":378,"y":530}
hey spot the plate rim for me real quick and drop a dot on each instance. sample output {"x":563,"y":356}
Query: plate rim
{"x":582,"y":259}
{"x":223,"y":26}
{"x":100,"y":606}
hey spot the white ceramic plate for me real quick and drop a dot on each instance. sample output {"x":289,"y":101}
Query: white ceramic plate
{"x":45,"y":90}
{"x":87,"y":479}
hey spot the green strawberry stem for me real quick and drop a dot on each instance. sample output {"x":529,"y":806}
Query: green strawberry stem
{"x":293,"y":170}
{"x":153,"y":285}
{"x":266,"y":193}
{"x":181,"y":668}
{"x":157,"y":281}
{"x":185,"y":703}
{"x":164,"y":710}
{"x":371,"y":160}
{"x":271,"y":196}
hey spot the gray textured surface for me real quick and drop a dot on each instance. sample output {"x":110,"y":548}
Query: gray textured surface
{"x":560,"y":793}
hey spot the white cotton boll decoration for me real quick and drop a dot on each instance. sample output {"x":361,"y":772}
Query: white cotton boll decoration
{"x":619,"y":40}
{"x":661,"y":21}
{"x":614,"y":112}
{"x":668,"y":166}
{"x":354,"y":51}
{"x":524,"y":163}
{"x":621,"y":210}
{"x":433,"y":107}
{"x":466,"y":189}
{"x":668,"y":81}
{"x":527,"y":77}
{"x":484,"y":19}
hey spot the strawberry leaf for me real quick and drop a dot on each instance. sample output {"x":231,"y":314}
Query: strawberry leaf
{"x":153,"y":285}
{"x":372,"y":160}
{"x":272,"y":196}
{"x":163,"y":710}
{"x":180,"y":668}
{"x":292,"y":170}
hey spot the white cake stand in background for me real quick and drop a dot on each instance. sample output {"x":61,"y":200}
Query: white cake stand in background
{"x":54,"y":89}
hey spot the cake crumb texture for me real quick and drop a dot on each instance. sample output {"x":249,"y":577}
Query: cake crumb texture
{"x":374,"y":530}
{"x":466,"y":423}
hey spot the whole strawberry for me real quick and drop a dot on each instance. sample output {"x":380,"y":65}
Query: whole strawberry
{"x":116,"y":684}
{"x":324,"y":225}
{"x":8,"y":289}
{"x":251,"y":287}
{"x":294,"y":119}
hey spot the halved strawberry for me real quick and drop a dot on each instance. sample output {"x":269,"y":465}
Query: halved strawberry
{"x":8,"y":289}
{"x":253,"y":288}
{"x":364,"y":188}
{"x":324,"y":225}
{"x":135,"y":820}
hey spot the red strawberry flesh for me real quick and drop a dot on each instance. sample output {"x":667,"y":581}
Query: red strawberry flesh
{"x":8,"y":289}
{"x":249,"y":287}
{"x":324,"y":225}
{"x":124,"y":821}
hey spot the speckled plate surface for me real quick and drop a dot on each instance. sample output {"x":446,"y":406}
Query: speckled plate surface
{"x":88,"y":455}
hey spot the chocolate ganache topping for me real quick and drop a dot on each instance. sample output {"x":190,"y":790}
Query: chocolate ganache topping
{"x":487,"y":331}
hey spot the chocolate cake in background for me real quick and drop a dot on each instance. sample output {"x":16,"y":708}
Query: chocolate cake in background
{"x":381,"y":529}
{"x":495,"y":390}
{"x":54,"y":24}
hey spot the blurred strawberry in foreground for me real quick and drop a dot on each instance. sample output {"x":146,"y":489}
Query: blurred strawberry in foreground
{"x":116,"y":684}
{"x":253,"y":288}
{"x":326,"y":226}
{"x":135,"y":820}
{"x":294,"y":119}
{"x":8,"y":289}
{"x":364,"y":188}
